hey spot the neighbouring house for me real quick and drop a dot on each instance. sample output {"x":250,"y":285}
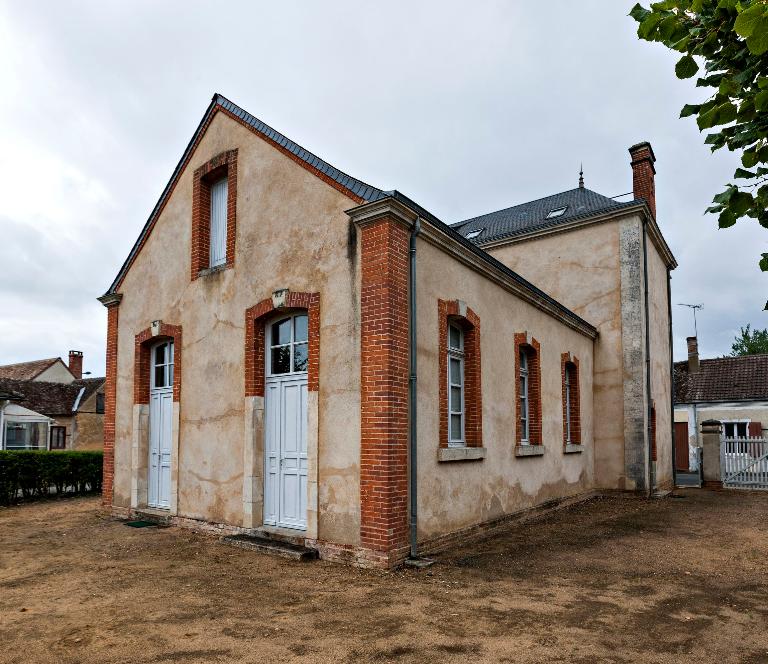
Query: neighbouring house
{"x":52,"y":407}
{"x":51,"y":370}
{"x":733,"y":390}
{"x":293,"y":351}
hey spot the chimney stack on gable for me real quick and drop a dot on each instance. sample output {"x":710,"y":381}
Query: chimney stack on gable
{"x":644,"y":174}
{"x":76,"y":363}
{"x":693,"y":354}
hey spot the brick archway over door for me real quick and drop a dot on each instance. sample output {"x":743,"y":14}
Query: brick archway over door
{"x":254,"y":339}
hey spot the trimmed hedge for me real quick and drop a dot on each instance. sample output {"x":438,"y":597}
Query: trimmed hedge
{"x":26,"y":474}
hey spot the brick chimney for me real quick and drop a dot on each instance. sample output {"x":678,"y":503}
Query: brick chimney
{"x":693,"y":354}
{"x":76,"y":363}
{"x":644,"y":174}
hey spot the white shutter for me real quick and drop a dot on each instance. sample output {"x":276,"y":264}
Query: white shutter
{"x":218,"y":254}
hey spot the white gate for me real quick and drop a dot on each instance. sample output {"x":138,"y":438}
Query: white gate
{"x":744,"y":463}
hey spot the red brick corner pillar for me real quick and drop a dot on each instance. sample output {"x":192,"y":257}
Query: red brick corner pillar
{"x":385,"y":232}
{"x":112,"y":302}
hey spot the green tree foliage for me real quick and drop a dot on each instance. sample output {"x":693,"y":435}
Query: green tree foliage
{"x":729,"y":38}
{"x":750,"y":342}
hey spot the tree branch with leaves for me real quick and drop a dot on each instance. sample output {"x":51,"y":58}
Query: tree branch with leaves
{"x":730,"y":40}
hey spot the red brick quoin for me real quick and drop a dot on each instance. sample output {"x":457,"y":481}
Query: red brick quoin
{"x":533,"y":349}
{"x":110,"y":399}
{"x":142,"y":358}
{"x":565,"y":360}
{"x":448,"y":311}
{"x":384,"y":388}
{"x":254,"y":339}
{"x":222,"y":165}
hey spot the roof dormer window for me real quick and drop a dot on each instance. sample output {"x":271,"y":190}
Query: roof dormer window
{"x":557,"y":212}
{"x":473,"y":234}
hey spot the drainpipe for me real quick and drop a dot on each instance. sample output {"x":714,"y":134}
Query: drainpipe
{"x":412,"y":425}
{"x":671,"y":379}
{"x":651,"y":477}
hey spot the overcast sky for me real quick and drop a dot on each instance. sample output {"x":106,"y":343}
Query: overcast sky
{"x":465,"y":107}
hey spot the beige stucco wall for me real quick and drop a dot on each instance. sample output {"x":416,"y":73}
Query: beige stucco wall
{"x":453,"y":495}
{"x":89,"y":425}
{"x":56,"y":373}
{"x":661,"y":383}
{"x":291,"y":233}
{"x":581,"y":269}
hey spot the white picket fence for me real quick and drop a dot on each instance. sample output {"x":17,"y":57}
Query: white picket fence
{"x":744,"y":463}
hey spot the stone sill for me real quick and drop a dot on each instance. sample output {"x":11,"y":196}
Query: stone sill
{"x":529,"y":450}
{"x":206,"y":272}
{"x":574,"y":449}
{"x":460,"y":453}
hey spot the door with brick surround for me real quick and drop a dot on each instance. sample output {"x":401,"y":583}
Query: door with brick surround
{"x":285,"y":425}
{"x":160,"y":425}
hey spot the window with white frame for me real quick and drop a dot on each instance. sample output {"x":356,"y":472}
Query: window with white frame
{"x":289,"y":345}
{"x":455,"y":386}
{"x":524,"y":400}
{"x":162,"y":365}
{"x":736,"y":429}
{"x":26,"y":435}
{"x":218,"y":237}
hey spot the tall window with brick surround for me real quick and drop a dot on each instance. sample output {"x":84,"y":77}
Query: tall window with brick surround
{"x":571,"y":400}
{"x":461,"y":404}
{"x":214,"y":213}
{"x":528,"y":401}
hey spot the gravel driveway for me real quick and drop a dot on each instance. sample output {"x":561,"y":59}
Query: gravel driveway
{"x":611,"y":580}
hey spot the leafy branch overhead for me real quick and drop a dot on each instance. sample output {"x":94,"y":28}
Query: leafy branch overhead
{"x":725,"y":42}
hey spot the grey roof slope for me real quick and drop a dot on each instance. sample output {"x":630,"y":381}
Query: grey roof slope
{"x":520,"y":219}
{"x":50,"y":399}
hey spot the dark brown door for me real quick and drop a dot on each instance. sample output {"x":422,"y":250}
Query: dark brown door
{"x":58,"y":438}
{"x":681,"y":446}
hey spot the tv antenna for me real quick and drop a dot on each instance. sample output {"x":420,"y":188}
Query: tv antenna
{"x":694,"y":307}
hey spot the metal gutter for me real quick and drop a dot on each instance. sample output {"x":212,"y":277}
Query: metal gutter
{"x":671,"y":378}
{"x":77,"y":401}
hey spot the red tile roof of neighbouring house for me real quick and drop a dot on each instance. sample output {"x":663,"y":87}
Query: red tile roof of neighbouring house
{"x":743,"y":378}
{"x":27,"y":370}
{"x":50,"y":399}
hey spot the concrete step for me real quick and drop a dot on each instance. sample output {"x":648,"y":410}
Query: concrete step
{"x":271,"y":547}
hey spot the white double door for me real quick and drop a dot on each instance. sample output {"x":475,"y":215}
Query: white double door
{"x":285,"y":451}
{"x":160,"y":433}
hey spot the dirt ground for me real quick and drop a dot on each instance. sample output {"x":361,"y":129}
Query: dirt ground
{"x":612,"y":580}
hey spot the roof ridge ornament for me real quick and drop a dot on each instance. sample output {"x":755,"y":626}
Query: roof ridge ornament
{"x":581,"y":176}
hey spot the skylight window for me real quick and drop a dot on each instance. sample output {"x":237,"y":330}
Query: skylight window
{"x":473,"y":234}
{"x":557,"y":212}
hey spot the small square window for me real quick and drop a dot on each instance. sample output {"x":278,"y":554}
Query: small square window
{"x":557,"y":212}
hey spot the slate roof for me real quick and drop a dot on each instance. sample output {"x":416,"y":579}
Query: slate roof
{"x":27,"y":370}
{"x":52,"y":399}
{"x":723,"y":379}
{"x":527,"y":217}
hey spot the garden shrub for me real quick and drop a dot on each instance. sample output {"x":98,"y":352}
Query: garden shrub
{"x":26,"y":474}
